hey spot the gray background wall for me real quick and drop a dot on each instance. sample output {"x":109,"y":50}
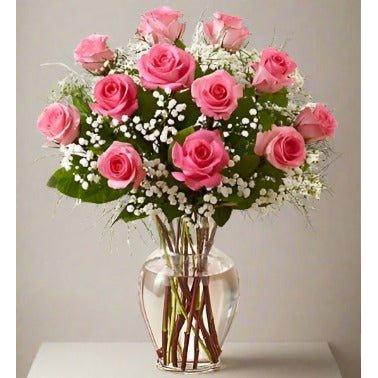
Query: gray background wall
{"x":78,"y":283}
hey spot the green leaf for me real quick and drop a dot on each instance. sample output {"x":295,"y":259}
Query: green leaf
{"x":266,"y":119}
{"x":170,"y":211}
{"x":81,"y":105}
{"x":246,"y":166}
{"x":63,"y":181}
{"x":244,"y":105}
{"x":129,"y":217}
{"x":278,"y":98}
{"x":146,"y":104}
{"x":191,"y":112}
{"x":180,"y":44}
{"x":222,"y":215}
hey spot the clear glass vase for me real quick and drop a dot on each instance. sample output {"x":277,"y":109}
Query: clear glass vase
{"x":189,"y":292}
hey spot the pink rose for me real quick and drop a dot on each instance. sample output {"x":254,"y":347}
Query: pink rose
{"x":226,"y":30}
{"x":115,"y":96}
{"x":166,"y":66}
{"x":273,"y":70}
{"x":59,"y":123}
{"x":316,"y":123}
{"x":121,"y":164}
{"x":283,"y":147}
{"x":161,"y":25}
{"x":92,"y":52}
{"x":201,"y":159}
{"x":217,"y":94}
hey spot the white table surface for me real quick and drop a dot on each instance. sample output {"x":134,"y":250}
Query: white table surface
{"x":137,"y":360}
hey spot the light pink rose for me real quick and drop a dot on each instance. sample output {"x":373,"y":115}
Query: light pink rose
{"x":161,"y":25}
{"x":59,"y":123}
{"x":316,"y":123}
{"x":273,"y":71}
{"x":166,"y":66}
{"x":217,"y":94}
{"x":226,"y":30}
{"x":282,"y":146}
{"x":92,"y":52}
{"x":201,"y":159}
{"x":115,"y":96}
{"x":121,"y":165}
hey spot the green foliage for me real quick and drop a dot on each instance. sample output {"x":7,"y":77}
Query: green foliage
{"x":222,"y":215}
{"x":146,"y":104}
{"x":279,"y":98}
{"x":245,"y":167}
{"x":180,"y":44}
{"x":266,"y":118}
{"x":63,"y":181}
{"x":170,"y":211}
{"x":191,"y":112}
{"x":129,"y":217}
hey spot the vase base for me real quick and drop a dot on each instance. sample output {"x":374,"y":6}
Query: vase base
{"x":202,"y":367}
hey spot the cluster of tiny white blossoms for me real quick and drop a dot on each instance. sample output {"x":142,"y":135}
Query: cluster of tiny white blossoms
{"x":160,"y":128}
{"x":153,"y":187}
{"x":85,"y":159}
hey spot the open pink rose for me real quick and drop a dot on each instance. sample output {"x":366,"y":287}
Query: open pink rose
{"x":115,"y":96}
{"x":121,"y":165}
{"x":273,"y":71}
{"x":226,"y":30}
{"x":316,"y":123}
{"x":59,"y":123}
{"x":217,"y":94}
{"x":166,"y":66}
{"x":201,"y":159}
{"x":282,"y":146}
{"x":161,"y":25}
{"x":92,"y":52}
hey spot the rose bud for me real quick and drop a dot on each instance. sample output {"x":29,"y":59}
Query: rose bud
{"x":161,"y":25}
{"x":92,"y":52}
{"x":315,"y":122}
{"x":226,"y":30}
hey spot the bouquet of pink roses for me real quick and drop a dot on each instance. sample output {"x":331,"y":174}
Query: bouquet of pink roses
{"x":187,"y":134}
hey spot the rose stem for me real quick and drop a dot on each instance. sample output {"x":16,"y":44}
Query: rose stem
{"x":164,"y":335}
{"x":196,"y":334}
{"x":208,"y":339}
{"x":180,"y":320}
{"x":210,"y":317}
{"x":189,"y":323}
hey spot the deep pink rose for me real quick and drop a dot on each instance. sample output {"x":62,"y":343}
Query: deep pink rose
{"x":201,"y":159}
{"x":282,"y":146}
{"x":217,"y":94}
{"x":92,"y":52}
{"x":316,"y":123}
{"x":121,"y":165}
{"x":166,"y":66}
{"x":115,"y":96}
{"x":273,"y":71}
{"x":59,"y":123}
{"x":161,"y":25}
{"x":226,"y":30}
